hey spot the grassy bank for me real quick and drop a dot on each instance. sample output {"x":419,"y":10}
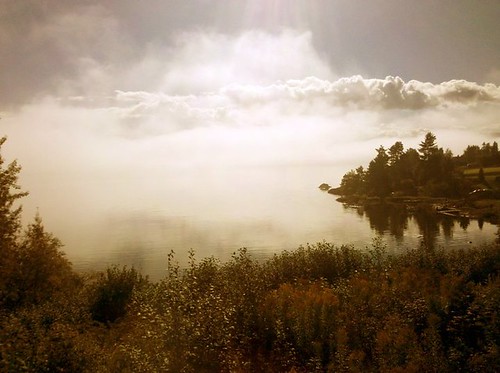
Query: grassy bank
{"x":318,"y":308}
{"x":490,"y":174}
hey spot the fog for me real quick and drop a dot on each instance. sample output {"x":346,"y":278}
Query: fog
{"x":220,"y":127}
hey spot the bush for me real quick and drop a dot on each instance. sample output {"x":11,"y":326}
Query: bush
{"x":112,"y":293}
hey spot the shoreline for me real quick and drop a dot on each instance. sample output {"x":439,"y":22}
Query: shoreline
{"x":471,"y":208}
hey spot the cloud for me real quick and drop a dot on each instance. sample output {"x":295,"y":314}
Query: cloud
{"x":212,"y":99}
{"x":359,"y":93}
{"x":207,"y":62}
{"x":91,"y":48}
{"x":237,"y":104}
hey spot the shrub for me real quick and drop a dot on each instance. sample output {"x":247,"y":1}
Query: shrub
{"x":112,"y":293}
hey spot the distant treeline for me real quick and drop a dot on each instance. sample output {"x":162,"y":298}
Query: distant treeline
{"x":320,"y":308}
{"x":428,"y":171}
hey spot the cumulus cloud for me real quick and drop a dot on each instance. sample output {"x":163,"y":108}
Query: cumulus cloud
{"x":311,"y":97}
{"x":360,"y":93}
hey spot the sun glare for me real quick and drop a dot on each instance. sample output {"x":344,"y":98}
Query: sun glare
{"x":278,"y":14}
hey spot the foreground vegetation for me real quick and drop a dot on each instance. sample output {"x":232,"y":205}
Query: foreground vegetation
{"x":318,"y":308}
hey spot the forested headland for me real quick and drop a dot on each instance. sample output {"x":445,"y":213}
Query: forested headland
{"x":428,"y":174}
{"x":321,"y":307}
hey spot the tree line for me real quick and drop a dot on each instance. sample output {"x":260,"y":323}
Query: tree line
{"x":429,"y":170}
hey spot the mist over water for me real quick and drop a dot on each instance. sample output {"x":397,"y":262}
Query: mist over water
{"x":139,"y":220}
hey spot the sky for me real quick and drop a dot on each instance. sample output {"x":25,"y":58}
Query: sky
{"x":126,"y":88}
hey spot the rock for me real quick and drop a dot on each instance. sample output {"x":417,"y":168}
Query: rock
{"x":324,"y":187}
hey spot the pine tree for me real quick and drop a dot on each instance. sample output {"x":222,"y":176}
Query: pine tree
{"x":428,"y":147}
{"x":10,"y":221}
{"x":42,"y":268}
{"x":10,"y":216}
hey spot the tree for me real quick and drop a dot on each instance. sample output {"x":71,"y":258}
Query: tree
{"x":10,"y":216}
{"x":10,"y":220}
{"x":353,"y":182}
{"x":471,"y":155}
{"x":428,"y":147}
{"x":481,"y":175}
{"x":431,"y":160}
{"x":396,"y":151}
{"x":396,"y":165}
{"x":495,"y":154}
{"x":377,"y":175}
{"x":42,"y":269}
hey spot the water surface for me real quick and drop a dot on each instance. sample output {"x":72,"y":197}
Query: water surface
{"x":138,"y":219}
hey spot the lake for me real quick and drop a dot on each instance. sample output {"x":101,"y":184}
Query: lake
{"x":137,"y":219}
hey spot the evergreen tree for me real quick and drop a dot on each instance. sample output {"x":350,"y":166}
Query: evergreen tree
{"x":495,"y":153}
{"x":396,"y":151}
{"x":353,"y":182}
{"x":42,"y":268}
{"x":377,"y":175}
{"x":481,"y":175}
{"x":431,"y":160}
{"x":10,"y":220}
{"x":428,"y":147}
{"x":9,"y":193}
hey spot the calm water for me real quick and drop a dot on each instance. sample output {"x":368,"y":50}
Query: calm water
{"x":138,"y":219}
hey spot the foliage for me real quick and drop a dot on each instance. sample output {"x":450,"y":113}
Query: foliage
{"x":318,"y":308}
{"x":485,"y":155}
{"x":10,"y":220}
{"x":426,"y":309}
{"x":112,"y":292}
{"x":377,"y":177}
{"x":42,"y":269}
{"x":430,"y":171}
{"x":353,"y":182}
{"x":9,"y":194}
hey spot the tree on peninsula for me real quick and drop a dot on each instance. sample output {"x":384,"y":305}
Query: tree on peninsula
{"x":377,"y":175}
{"x":428,"y":171}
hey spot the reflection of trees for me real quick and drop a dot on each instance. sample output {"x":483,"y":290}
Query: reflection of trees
{"x":480,"y":224}
{"x":464,"y":223}
{"x":378,"y":217}
{"x":399,"y":220}
{"x":447,"y":224}
{"x":428,"y":225}
{"x":392,"y":218}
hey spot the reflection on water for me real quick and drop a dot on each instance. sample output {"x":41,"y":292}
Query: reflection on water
{"x":394,"y":219}
{"x":144,"y":240}
{"x":139,"y":219}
